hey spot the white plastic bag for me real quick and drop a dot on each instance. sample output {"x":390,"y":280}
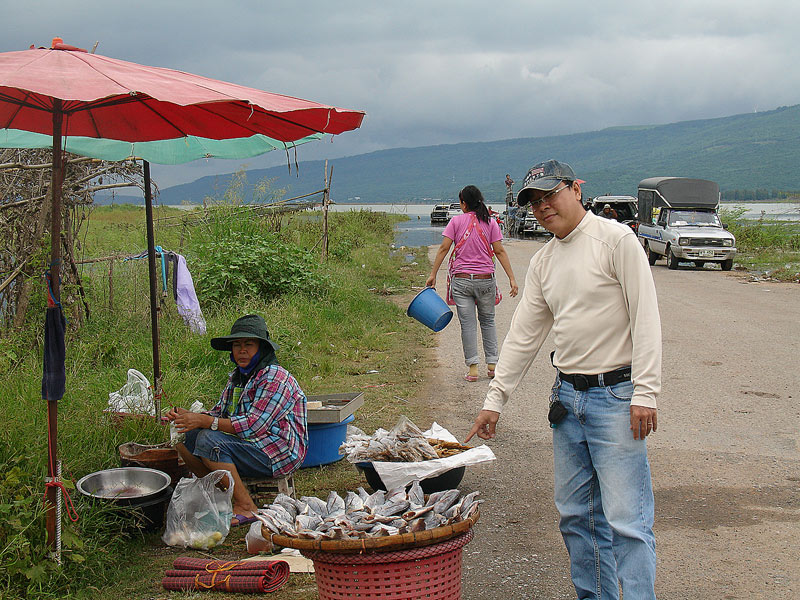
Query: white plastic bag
{"x":199,"y":514}
{"x":178,"y":438}
{"x":255,"y":540}
{"x":136,"y":396}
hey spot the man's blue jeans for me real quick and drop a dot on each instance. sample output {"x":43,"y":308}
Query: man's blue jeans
{"x":604,"y":494}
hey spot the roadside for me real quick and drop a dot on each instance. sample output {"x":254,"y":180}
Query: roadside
{"x":725,"y":460}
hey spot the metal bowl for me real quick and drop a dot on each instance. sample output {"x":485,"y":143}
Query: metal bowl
{"x":125,"y":485}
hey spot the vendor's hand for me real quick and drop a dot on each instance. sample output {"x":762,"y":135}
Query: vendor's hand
{"x":173,"y":413}
{"x":431,"y":280}
{"x":514,"y":289}
{"x":484,"y":425}
{"x":186,"y":421}
{"x":644,"y":421}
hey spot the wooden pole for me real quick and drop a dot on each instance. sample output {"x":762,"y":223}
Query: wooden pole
{"x":55,"y":272}
{"x":151,"y":263}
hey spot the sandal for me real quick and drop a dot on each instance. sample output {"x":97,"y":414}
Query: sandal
{"x":469,"y":377}
{"x":490,"y":373}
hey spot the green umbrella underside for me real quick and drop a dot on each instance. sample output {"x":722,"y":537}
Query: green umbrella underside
{"x":163,"y":152}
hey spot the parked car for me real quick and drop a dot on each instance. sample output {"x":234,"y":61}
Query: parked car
{"x":454,"y":210}
{"x":523,"y":222}
{"x":678,"y":220}
{"x":625,"y":208}
{"x":439,"y":214}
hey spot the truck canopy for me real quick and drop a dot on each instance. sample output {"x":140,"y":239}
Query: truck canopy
{"x":675,"y":192}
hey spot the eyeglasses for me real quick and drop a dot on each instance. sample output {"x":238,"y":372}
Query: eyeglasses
{"x":537,"y":203}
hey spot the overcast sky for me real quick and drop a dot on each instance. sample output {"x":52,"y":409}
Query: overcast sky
{"x":445,"y":72}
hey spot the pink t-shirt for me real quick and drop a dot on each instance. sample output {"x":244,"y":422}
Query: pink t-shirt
{"x":472,"y":256}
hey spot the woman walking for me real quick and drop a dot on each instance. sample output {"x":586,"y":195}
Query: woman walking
{"x":472,"y":280}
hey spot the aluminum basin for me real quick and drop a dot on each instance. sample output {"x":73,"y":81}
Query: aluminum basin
{"x":125,"y":485}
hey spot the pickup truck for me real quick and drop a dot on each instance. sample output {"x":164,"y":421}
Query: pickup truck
{"x":678,"y":220}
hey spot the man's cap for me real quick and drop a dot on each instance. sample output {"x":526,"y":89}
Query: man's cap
{"x":248,"y":326}
{"x":545,"y":177}
{"x":607,"y":206}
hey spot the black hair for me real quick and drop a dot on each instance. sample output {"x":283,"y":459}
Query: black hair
{"x":472,"y":197}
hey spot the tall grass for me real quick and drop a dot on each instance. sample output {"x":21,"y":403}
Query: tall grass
{"x":772,"y":246}
{"x":332,"y":327}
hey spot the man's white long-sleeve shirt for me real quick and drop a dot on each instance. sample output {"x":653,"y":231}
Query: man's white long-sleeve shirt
{"x":594,"y":289}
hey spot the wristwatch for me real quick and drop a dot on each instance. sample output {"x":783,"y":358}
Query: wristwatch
{"x":215,"y":424}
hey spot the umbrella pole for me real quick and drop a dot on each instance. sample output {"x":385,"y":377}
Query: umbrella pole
{"x":151,"y":263}
{"x":55,"y":280}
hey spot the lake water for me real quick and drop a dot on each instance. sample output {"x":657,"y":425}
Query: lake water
{"x":418,"y":231}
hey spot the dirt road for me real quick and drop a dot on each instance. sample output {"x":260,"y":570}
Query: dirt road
{"x":725,"y":459}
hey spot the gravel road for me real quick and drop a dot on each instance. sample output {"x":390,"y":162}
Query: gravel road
{"x":725,"y":460}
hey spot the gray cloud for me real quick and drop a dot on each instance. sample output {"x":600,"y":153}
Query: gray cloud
{"x":445,"y":72}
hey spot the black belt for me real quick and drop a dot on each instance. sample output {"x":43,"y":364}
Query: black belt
{"x":584,"y":382}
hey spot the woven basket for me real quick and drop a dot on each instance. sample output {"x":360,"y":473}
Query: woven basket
{"x":386,"y":543}
{"x":431,"y":572}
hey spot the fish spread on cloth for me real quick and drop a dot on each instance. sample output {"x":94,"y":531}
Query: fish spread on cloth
{"x":361,"y":515}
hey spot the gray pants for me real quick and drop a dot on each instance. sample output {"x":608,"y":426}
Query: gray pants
{"x":468,"y":295}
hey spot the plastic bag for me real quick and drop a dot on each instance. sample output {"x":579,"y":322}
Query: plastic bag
{"x":255,"y":540}
{"x":178,"y":438}
{"x":199,"y":514}
{"x":136,"y":396}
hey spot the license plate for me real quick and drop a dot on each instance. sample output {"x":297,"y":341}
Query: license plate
{"x":706,"y":253}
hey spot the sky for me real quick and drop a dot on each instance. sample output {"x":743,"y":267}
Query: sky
{"x":442,"y":72}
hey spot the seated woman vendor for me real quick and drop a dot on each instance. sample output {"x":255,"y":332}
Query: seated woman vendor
{"x":258,"y":426}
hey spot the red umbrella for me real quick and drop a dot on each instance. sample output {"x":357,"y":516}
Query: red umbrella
{"x":66,"y":91}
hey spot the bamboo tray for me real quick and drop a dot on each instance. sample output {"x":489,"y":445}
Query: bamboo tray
{"x":387,"y":543}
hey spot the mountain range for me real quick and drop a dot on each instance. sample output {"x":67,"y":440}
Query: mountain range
{"x":745,"y":151}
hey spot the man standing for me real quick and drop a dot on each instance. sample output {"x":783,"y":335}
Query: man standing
{"x":509,"y":183}
{"x":603,"y":403}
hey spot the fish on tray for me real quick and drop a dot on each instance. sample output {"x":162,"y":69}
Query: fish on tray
{"x":361,"y":515}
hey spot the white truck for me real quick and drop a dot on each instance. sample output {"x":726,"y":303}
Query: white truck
{"x":678,"y":220}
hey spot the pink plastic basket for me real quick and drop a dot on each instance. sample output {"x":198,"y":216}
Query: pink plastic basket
{"x":432,"y":572}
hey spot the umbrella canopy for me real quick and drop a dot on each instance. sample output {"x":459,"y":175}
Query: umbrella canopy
{"x":103,"y":97}
{"x":92,"y":101}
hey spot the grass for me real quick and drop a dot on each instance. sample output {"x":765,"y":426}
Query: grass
{"x":767,"y":247}
{"x":332,"y":338}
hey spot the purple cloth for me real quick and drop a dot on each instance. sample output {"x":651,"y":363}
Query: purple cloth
{"x":188,"y":306}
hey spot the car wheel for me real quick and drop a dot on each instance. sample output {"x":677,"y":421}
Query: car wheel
{"x":672,"y":260}
{"x":652,"y":257}
{"x":727,"y":265}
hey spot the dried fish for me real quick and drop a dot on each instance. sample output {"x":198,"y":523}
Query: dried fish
{"x":446,"y":501}
{"x":360,"y":515}
{"x":335,"y":505}
{"x":353,"y":502}
{"x":315,"y":504}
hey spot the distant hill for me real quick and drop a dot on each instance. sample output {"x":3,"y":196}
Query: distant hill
{"x":747,"y":151}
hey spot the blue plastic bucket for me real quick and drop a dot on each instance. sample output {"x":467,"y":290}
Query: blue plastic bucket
{"x":324,"y":440}
{"x":428,"y":308}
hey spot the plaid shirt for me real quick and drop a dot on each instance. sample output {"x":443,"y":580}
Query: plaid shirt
{"x":271,"y":413}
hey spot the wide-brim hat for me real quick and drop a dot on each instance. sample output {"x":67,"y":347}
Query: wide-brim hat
{"x":248,"y":326}
{"x":545,"y":177}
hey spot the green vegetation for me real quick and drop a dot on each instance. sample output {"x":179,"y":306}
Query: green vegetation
{"x":771,"y":247}
{"x":333,"y":321}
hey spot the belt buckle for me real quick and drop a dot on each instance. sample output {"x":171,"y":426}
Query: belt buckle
{"x":580,"y":382}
